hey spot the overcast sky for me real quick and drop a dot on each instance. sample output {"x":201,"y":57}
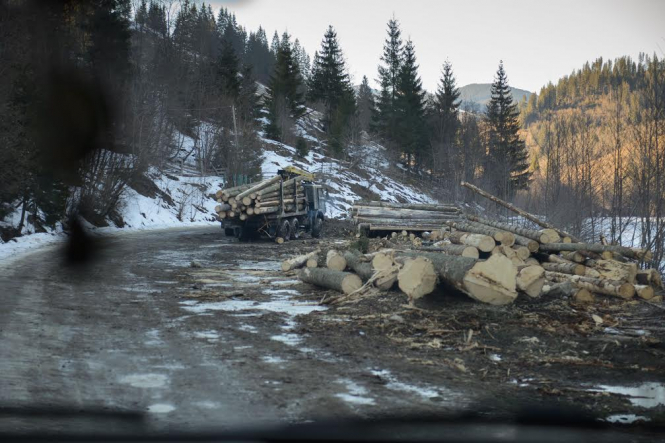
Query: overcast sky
{"x":538,"y":41}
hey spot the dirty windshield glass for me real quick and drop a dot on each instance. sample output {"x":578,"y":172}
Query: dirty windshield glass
{"x":256,"y":218}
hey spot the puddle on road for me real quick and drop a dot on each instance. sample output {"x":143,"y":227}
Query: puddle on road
{"x":282,"y":306}
{"x":211,"y":335}
{"x":646,"y":395}
{"x":259,"y":265}
{"x":144,"y":380}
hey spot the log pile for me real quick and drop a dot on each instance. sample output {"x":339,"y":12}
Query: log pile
{"x":490,"y":261}
{"x":373,"y":217}
{"x":244,"y":201}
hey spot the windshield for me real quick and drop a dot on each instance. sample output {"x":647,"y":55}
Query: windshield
{"x":236,"y":214}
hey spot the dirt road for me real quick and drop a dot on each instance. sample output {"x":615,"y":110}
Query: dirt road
{"x":214,"y":345}
{"x":200,"y":332}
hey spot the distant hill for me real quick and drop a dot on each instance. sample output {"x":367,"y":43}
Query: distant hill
{"x":478,"y":94}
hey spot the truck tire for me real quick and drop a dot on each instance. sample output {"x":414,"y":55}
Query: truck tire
{"x":317,"y":227}
{"x":295,"y":228}
{"x":284,"y":230}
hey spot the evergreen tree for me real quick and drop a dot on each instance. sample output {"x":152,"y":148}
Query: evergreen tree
{"x":411,"y":130}
{"x":284,"y":100}
{"x":141,"y":17}
{"x":249,"y":108}
{"x":507,"y":165}
{"x":445,"y":124}
{"x":228,"y":68}
{"x":384,"y":118}
{"x":257,"y":54}
{"x":330,"y":81}
{"x":156,"y":19}
{"x":274,"y":45}
{"x":365,"y":104}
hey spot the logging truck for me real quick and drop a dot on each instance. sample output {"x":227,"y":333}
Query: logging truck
{"x":282,"y":208}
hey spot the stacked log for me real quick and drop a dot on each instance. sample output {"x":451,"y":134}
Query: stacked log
{"x":263,"y":198}
{"x":490,"y":261}
{"x":373,"y":217}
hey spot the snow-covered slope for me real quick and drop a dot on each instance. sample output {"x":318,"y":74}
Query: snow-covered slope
{"x":178,"y":196}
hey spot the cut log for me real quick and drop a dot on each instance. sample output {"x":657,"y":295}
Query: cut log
{"x":279,"y":240}
{"x":299,"y":261}
{"x":250,"y":211}
{"x":535,"y":235}
{"x":598,"y":285}
{"x":260,"y":186}
{"x":522,"y":252}
{"x":312,"y":262}
{"x":645,"y":292}
{"x":626,"y":252}
{"x":345,"y":282}
{"x":614,"y":270}
{"x":565,"y":268}
{"x":530,"y":280}
{"x":504,"y":237}
{"x":463,"y":250}
{"x":382,"y":261}
{"x":554,"y":236}
{"x":569,"y":290}
{"x":574,"y":256}
{"x":491,"y":281}
{"x":483,"y":243}
{"x":362,"y":268}
{"x":517,"y":210}
{"x":532,"y":261}
{"x":417,"y":277}
{"x":263,"y":204}
{"x":530,"y":244}
{"x":275,"y":185}
{"x":413,"y":206}
{"x":335,"y":260}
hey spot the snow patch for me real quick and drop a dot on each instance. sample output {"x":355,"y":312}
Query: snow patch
{"x":144,"y":380}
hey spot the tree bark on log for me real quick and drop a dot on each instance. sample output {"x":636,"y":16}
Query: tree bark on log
{"x":577,"y":247}
{"x":463,"y":250}
{"x":565,"y":268}
{"x":414,"y":206}
{"x":601,"y":286}
{"x":569,"y":290}
{"x":345,"y":282}
{"x":614,"y":270}
{"x":538,"y":236}
{"x":258,"y":187}
{"x":500,"y":236}
{"x":275,"y":186}
{"x":362,"y":268}
{"x":483,"y":243}
{"x":517,"y":210}
{"x":299,"y":261}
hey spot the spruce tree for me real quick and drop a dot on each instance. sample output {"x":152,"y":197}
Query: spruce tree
{"x":228,"y":66}
{"x":284,"y":100}
{"x":141,"y":17}
{"x":410,"y":130}
{"x":330,"y":84}
{"x":507,"y":163}
{"x":384,"y":117}
{"x":365,"y":104}
{"x":445,"y":124}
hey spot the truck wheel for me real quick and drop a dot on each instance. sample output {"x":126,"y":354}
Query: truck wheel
{"x":295,"y":227}
{"x":284,"y":230}
{"x":317,"y":227}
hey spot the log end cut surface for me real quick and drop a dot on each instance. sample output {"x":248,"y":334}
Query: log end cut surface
{"x":492,"y":281}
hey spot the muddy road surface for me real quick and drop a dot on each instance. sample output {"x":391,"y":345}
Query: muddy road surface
{"x":196,"y":331}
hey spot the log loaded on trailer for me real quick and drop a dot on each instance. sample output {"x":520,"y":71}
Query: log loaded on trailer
{"x":281,"y":207}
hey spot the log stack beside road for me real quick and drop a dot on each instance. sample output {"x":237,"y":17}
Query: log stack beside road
{"x":423,"y":247}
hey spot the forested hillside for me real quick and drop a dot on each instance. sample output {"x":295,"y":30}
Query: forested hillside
{"x":597,"y":140}
{"x":477,"y":95}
